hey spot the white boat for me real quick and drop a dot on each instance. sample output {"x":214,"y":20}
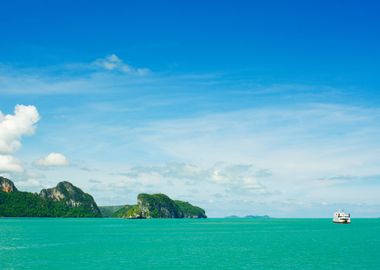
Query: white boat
{"x":342,"y":217}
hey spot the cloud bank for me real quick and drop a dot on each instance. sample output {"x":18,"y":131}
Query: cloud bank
{"x":233,"y":178}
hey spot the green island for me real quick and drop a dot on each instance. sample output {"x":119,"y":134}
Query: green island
{"x":67,"y":200}
{"x":64,"y":200}
{"x":159,"y":206}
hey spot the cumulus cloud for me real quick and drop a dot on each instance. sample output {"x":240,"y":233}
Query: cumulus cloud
{"x":53,"y":160}
{"x":14,"y":126}
{"x":114,"y":63}
{"x":9,"y":164}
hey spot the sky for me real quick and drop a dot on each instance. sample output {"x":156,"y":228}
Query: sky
{"x":240,"y":107}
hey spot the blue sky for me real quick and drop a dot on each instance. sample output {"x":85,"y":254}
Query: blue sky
{"x":243,"y":107}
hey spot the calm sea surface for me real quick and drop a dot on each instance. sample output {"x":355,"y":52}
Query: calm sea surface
{"x":35,"y":243}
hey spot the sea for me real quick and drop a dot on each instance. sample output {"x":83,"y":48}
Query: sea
{"x":107,"y":243}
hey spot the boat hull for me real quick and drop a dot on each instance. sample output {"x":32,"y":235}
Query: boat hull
{"x":342,"y":221}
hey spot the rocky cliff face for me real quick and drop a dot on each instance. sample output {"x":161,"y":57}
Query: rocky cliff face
{"x":7,"y":185}
{"x":72,"y":196}
{"x":159,"y":206}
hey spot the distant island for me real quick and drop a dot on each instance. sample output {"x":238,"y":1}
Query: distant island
{"x":159,"y":206}
{"x":67,"y":200}
{"x":250,"y":216}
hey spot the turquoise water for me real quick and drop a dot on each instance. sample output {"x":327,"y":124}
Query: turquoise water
{"x":35,"y":243}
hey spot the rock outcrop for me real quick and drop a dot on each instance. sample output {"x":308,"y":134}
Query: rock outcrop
{"x":7,"y":185}
{"x":72,"y":196}
{"x":159,"y":206}
{"x":65,"y":200}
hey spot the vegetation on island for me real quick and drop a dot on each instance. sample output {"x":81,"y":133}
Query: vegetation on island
{"x":190,"y":211}
{"x":108,"y":211}
{"x":159,"y":206}
{"x":65,"y":200}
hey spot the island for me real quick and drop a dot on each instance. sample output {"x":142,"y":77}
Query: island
{"x":64,"y":200}
{"x":67,"y":200}
{"x":159,"y":206}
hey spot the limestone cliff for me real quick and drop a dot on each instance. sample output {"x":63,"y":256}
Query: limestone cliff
{"x":7,"y":185}
{"x":72,"y":196}
{"x":65,"y":200}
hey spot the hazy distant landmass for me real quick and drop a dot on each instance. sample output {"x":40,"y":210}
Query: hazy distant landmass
{"x":67,"y":200}
{"x":250,"y":216}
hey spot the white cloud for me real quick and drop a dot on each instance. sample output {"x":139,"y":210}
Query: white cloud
{"x":29,"y":184}
{"x":235,"y":179}
{"x":53,"y":160}
{"x":114,"y":63}
{"x":238,"y":178}
{"x":14,"y":126}
{"x":9,"y":164}
{"x":111,"y":62}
